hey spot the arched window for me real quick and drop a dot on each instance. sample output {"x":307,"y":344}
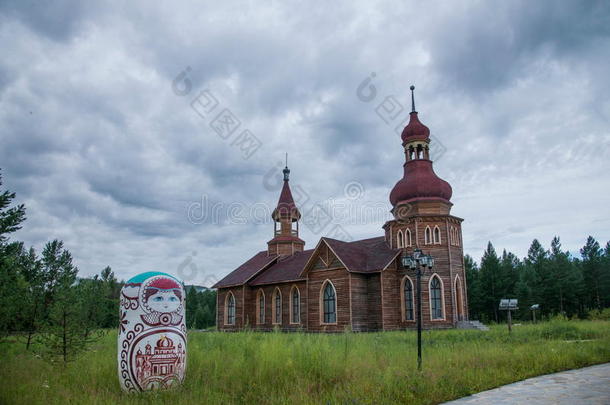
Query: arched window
{"x":437,"y":235}
{"x":277,"y":306}
{"x":230,"y":309}
{"x":457,"y":236}
{"x":329,"y":303}
{"x":408,"y":299}
{"x":408,"y":239}
{"x":399,"y":240}
{"x":260,"y":315}
{"x":436,"y":298}
{"x":295,"y":313}
{"x":459,"y":300}
{"x":428,"y":236}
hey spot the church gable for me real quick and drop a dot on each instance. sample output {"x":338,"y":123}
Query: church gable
{"x":323,"y":258}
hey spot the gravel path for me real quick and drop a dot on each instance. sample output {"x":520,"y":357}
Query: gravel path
{"x":589,"y":385}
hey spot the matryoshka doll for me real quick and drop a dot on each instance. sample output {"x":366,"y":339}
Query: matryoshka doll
{"x":152,"y":333}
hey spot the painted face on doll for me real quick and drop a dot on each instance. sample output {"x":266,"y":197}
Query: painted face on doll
{"x":164,"y":301}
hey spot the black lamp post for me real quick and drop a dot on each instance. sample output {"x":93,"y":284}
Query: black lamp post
{"x":418,"y":262}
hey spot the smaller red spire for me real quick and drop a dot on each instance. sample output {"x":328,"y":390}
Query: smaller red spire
{"x":286,"y":239}
{"x":286,"y":208}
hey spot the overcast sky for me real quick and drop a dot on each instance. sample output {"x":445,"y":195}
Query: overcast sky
{"x":110,"y":137}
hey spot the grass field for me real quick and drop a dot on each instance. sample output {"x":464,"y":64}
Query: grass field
{"x":350,"y":368}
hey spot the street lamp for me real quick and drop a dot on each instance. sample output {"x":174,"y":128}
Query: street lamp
{"x":418,"y":262}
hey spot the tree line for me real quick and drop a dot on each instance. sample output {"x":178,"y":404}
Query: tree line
{"x":57,"y":313}
{"x":552,"y":278}
{"x":200,"y":308}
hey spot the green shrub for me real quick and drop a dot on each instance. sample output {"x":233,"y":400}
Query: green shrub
{"x":597,"y":315}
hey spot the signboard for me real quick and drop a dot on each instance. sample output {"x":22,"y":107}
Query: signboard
{"x":508,"y":304}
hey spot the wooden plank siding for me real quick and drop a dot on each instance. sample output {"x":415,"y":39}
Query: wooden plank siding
{"x":340,"y":279}
{"x":366,"y":301}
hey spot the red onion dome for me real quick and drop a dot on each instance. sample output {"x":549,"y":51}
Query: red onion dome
{"x":415,"y":130}
{"x":420,"y":183}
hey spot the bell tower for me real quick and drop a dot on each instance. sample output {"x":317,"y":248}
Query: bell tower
{"x":420,"y":191}
{"x":421,"y":208}
{"x":286,"y":217}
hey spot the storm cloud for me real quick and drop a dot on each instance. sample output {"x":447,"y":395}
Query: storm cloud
{"x":101,"y":140}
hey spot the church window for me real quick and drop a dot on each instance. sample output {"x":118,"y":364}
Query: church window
{"x":437,"y":235}
{"x":277,"y":306}
{"x":428,"y":236}
{"x":329,"y":303}
{"x":408,"y":299}
{"x":436,"y":298}
{"x":260,"y":319}
{"x":230,"y":309}
{"x":295,"y":315}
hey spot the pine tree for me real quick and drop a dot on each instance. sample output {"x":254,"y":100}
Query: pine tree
{"x":91,"y":302}
{"x":605,"y":277}
{"x":192,"y":304}
{"x":564,"y":298}
{"x":200,"y":321}
{"x":111,"y":291}
{"x":33,"y":301}
{"x":12,"y":284}
{"x":13,"y":288}
{"x":475,"y":305}
{"x":489,"y":283}
{"x":66,"y":332}
{"x":592,"y":272}
{"x":536,"y":275}
{"x":58,"y":269}
{"x":10,"y":218}
{"x":509,"y":274}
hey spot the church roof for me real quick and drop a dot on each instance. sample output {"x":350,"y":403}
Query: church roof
{"x":247,"y":270}
{"x":285,"y":269}
{"x":363,"y":256}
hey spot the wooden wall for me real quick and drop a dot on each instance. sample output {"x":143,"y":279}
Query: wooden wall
{"x":366,"y":302}
{"x":340,"y":279}
{"x":268,"y":290}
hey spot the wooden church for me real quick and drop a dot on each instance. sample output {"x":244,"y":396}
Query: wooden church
{"x":359,"y":285}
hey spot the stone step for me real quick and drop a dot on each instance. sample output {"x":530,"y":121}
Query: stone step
{"x":471,"y":325}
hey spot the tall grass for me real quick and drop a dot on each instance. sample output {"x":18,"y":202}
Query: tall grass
{"x":277,"y":368}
